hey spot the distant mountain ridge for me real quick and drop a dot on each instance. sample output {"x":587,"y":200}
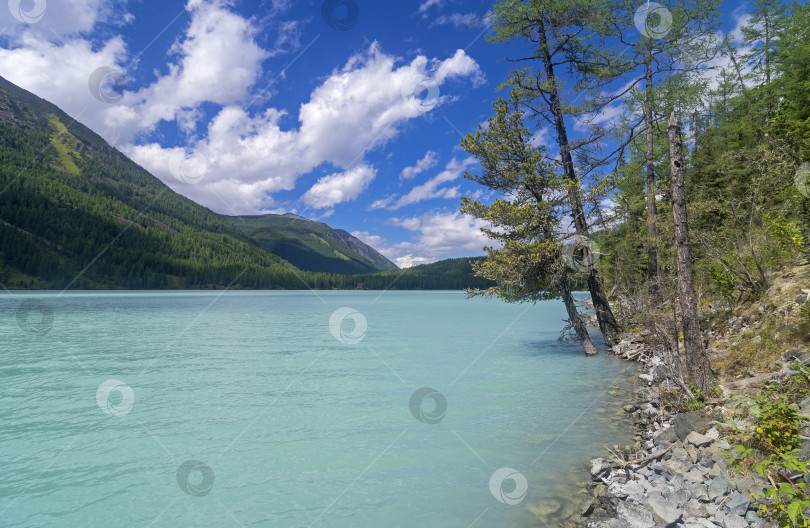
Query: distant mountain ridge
{"x":311,"y":245}
{"x":75,"y":212}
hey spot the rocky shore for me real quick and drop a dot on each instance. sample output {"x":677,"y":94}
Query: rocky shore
{"x":678,"y":472}
{"x":679,"y":477}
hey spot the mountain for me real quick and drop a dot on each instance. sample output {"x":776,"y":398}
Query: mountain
{"x":311,"y":245}
{"x":75,"y":212}
{"x":449,"y":274}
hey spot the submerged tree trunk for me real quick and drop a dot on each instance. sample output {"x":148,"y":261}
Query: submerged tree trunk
{"x":697,"y":364}
{"x":604,"y":314}
{"x":575,"y":319}
{"x":653,"y":285}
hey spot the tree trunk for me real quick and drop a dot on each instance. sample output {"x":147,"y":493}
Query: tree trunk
{"x":653,"y":284}
{"x":580,"y":328}
{"x":697,"y":364}
{"x":576,"y":319}
{"x":604,"y":314}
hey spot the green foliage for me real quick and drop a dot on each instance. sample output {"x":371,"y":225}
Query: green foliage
{"x":777,"y":436}
{"x":778,"y":430}
{"x":526,"y":220}
{"x":786,"y":502}
{"x":795,"y":388}
{"x":748,"y":136}
{"x":698,"y":402}
{"x":722,"y":281}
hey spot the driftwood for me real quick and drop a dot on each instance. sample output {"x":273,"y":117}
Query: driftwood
{"x":640,"y":462}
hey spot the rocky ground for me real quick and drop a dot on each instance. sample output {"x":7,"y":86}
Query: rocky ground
{"x":678,"y":472}
{"x":680,"y":477}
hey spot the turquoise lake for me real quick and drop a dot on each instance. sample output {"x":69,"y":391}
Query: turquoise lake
{"x":296,"y":409}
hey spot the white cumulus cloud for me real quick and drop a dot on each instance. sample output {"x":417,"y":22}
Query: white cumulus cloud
{"x":433,"y":188}
{"x":427,"y":162}
{"x":339,"y":187}
{"x":436,"y":235}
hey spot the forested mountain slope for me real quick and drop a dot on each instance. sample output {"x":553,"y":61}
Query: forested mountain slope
{"x":75,"y":212}
{"x":311,"y":245}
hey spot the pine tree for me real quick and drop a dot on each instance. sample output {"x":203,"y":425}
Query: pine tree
{"x":561,"y":33}
{"x":526,"y":219}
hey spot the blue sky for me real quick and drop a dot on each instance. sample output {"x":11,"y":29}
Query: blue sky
{"x":345,"y":111}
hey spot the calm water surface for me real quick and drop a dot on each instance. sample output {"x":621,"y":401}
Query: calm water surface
{"x":279,"y":409}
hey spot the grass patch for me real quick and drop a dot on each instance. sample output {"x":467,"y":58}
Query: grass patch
{"x":64,"y":143}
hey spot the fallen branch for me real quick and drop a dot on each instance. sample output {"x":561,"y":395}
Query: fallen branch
{"x":641,"y":462}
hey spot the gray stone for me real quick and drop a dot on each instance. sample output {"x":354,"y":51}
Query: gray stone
{"x":716,"y":471}
{"x":676,"y":482}
{"x":713,"y":434}
{"x":804,"y":408}
{"x":753,"y":484}
{"x":679,"y":454}
{"x":694,"y":508}
{"x":693,"y":475}
{"x":677,"y":497}
{"x":697,"y":439}
{"x":675,"y":468}
{"x":720,"y":460}
{"x":615,"y":475}
{"x":801,"y":299}
{"x":734,"y":521}
{"x":635,"y":515}
{"x":693,"y":452}
{"x":718,"y":487}
{"x":752,"y":518}
{"x":610,"y":523}
{"x":629,"y":408}
{"x":685,"y":423}
{"x":706,"y":461}
{"x":700,"y":494}
{"x":737,"y":504}
{"x":699,"y":523}
{"x":663,"y":511}
{"x":795,"y":353}
{"x":599,"y":466}
{"x":722,"y":444}
{"x":666,"y":437}
{"x":804,"y":451}
{"x":631,"y":488}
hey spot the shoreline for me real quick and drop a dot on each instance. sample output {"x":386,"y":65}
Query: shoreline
{"x":677,"y":473}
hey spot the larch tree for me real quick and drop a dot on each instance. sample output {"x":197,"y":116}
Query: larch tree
{"x":669,"y":44}
{"x":528,"y":263}
{"x":697,"y":362}
{"x":564,"y":37}
{"x":768,"y":22}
